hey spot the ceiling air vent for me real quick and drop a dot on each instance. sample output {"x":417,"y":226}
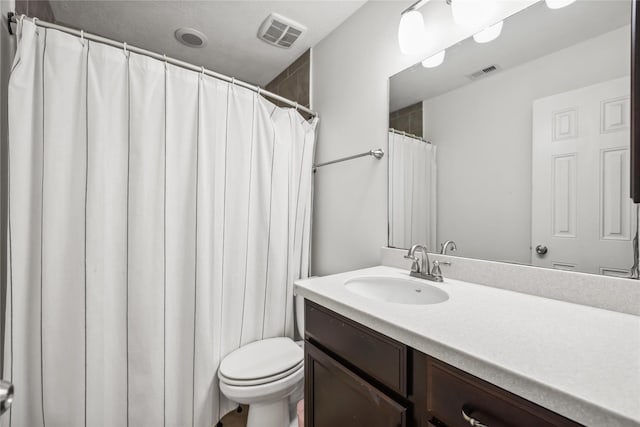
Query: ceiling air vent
{"x":191,"y":37}
{"x":482,"y":73}
{"x":280,"y":31}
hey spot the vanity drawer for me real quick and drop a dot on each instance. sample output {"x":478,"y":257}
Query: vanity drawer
{"x":449,"y":390}
{"x":364,"y":350}
{"x":335,"y":396}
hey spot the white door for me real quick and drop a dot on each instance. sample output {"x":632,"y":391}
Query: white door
{"x":581,"y":210}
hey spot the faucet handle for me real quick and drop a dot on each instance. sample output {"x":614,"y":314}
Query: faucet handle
{"x":415,"y":266}
{"x":435,"y":270}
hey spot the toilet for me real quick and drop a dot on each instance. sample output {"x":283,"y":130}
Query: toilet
{"x":267,"y":375}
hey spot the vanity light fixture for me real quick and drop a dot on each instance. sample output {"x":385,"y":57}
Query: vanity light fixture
{"x":435,"y":60}
{"x":558,"y":4}
{"x":411,"y":32}
{"x":489,"y":34}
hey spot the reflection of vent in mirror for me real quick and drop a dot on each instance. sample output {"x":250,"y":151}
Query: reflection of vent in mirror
{"x":482,"y":73}
{"x":280,"y":31}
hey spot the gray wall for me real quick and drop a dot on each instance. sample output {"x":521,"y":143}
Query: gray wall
{"x":483,"y":132}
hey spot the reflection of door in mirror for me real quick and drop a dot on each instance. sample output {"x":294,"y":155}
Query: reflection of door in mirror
{"x":412,"y":191}
{"x":581,"y":211}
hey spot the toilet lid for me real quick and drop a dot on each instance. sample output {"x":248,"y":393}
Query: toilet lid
{"x":265,"y":380}
{"x":261,"y":359}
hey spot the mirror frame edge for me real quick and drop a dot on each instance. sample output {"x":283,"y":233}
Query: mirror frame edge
{"x":635,"y":101}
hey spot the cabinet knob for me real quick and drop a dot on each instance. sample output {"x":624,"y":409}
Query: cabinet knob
{"x":466,"y":414}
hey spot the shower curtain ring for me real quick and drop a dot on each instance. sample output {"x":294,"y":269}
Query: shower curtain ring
{"x":258,"y":90}
{"x":124,"y":47}
{"x":82,"y":37}
{"x":233,"y":81}
{"x":202,"y":71}
{"x":296,"y":106}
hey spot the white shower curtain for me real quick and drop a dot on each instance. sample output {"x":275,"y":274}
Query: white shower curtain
{"x":158,"y":218}
{"x":412,"y":192}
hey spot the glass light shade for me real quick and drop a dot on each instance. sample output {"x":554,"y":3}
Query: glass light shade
{"x":558,"y":4}
{"x":435,"y":60}
{"x":489,"y":34}
{"x":411,"y":33}
{"x":469,"y":13}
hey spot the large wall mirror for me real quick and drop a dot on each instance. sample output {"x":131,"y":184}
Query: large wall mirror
{"x":518,"y":149}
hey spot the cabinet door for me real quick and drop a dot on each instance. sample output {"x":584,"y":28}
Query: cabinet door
{"x":335,"y":396}
{"x":364,"y":350}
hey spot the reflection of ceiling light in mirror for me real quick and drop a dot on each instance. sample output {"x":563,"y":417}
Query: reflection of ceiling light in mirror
{"x":434,"y":61}
{"x":468,"y":13}
{"x":489,"y":34}
{"x":411,"y":33}
{"x":558,"y":4}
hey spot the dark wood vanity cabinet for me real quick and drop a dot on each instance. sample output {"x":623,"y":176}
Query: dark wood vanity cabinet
{"x":357,"y":377}
{"x":353,"y":400}
{"x":356,"y":372}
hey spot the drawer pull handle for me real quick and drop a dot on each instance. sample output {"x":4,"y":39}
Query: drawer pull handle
{"x":466,"y":414}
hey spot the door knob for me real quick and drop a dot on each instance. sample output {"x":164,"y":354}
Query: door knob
{"x":541,"y":250}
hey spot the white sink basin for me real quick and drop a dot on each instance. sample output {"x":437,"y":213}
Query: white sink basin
{"x":396,"y":290}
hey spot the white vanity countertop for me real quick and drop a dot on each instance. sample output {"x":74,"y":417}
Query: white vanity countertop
{"x":579,"y":361}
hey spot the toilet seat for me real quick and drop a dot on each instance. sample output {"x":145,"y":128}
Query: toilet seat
{"x":261,"y":362}
{"x":259,"y":381}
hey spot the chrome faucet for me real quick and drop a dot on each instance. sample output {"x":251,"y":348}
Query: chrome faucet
{"x":449,"y":244}
{"x":421,"y":267}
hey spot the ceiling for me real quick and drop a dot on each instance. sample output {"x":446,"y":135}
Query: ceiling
{"x":230,"y":26}
{"x":537,"y":31}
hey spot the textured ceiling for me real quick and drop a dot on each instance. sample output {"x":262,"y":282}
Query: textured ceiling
{"x":230,"y":26}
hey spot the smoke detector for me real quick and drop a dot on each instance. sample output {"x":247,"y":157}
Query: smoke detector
{"x":280,"y":31}
{"x":191,"y":37}
{"x":483,"y":73}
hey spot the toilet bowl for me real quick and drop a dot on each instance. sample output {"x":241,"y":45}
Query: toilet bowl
{"x":267,"y":375}
{"x":264,"y":375}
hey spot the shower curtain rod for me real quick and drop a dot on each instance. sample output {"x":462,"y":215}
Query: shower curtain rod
{"x":80,"y":33}
{"x":410,"y":135}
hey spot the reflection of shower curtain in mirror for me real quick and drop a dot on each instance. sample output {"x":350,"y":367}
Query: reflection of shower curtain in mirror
{"x":412,"y":192}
